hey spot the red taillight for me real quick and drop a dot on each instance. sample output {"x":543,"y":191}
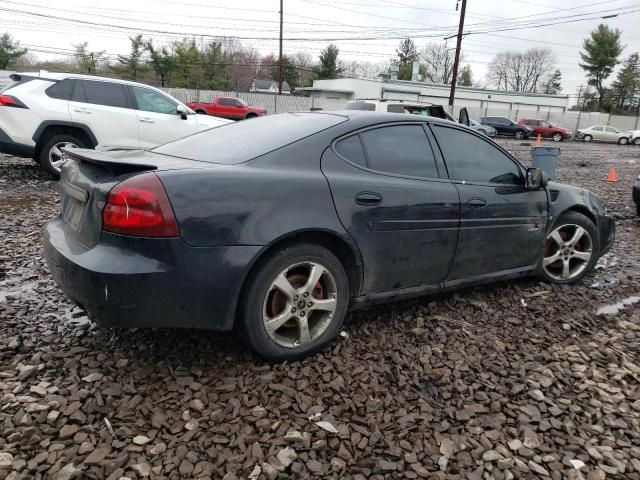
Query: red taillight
{"x":140,"y":206}
{"x":7,"y":101}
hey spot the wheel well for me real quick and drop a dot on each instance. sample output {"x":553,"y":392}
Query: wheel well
{"x":336,"y":245}
{"x":251,"y":114}
{"x":584,"y":211}
{"x":52,"y":130}
{"x":200,"y":110}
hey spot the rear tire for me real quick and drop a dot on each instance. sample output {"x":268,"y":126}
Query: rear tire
{"x":587,"y":138}
{"x":571,"y":249}
{"x":50,"y":155}
{"x":201,"y":112}
{"x":281,"y":323}
{"x":636,"y":141}
{"x":250,"y":115}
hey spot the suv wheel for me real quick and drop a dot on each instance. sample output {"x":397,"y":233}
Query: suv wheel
{"x":587,"y":138}
{"x":557,"y":137}
{"x":295,"y":303}
{"x":623,"y":141}
{"x":570,"y":250}
{"x":519,"y":134}
{"x":51,"y":156}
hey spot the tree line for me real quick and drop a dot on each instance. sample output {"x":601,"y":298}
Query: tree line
{"x":226,"y":64}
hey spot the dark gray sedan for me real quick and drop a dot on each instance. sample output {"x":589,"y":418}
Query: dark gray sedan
{"x":276,"y":227}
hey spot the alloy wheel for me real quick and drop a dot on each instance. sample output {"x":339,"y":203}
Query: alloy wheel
{"x":636,"y":141}
{"x":300,"y":304}
{"x":567,"y":252}
{"x":557,"y":137}
{"x":587,"y":138}
{"x":57,"y":157}
{"x":519,"y":135}
{"x":623,"y":141}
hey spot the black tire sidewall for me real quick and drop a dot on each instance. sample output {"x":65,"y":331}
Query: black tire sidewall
{"x":587,"y":138}
{"x":623,"y":141}
{"x":583,"y":221}
{"x":250,"y":322}
{"x":43,"y":157}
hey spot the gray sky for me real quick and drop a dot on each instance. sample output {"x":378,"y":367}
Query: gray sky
{"x":363,"y":29}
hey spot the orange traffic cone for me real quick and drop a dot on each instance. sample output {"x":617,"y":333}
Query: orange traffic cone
{"x":612,"y":175}
{"x":538,"y":141}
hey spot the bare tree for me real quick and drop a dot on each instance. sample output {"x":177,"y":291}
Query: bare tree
{"x":303,"y":62}
{"x":362,"y":69}
{"x":439,"y":59}
{"x":521,"y":71}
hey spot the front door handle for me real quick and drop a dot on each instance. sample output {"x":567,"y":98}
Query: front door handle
{"x":147,"y":120}
{"x":81,"y":110}
{"x":368,"y":198}
{"x":477,"y":202}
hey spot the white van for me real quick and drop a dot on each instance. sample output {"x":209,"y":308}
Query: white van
{"x":407,"y":106}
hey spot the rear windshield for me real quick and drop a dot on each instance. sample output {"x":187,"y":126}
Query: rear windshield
{"x":241,"y":141}
{"x":360,"y":106}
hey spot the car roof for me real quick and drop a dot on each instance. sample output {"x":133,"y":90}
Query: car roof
{"x":57,"y":76}
{"x":365,"y":117}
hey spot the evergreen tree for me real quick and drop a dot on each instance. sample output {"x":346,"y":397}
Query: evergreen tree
{"x":328,"y":67}
{"x":88,"y":61}
{"x":186,"y":60}
{"x":289,"y":72}
{"x":601,"y":51}
{"x":626,"y":87}
{"x":133,"y":65}
{"x":162,"y":62}
{"x":215,"y":69}
{"x":407,"y":54}
{"x":9,"y":50}
{"x":465,"y":77}
{"x":553,"y":83}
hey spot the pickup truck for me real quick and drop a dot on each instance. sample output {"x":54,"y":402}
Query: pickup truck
{"x":227,"y":107}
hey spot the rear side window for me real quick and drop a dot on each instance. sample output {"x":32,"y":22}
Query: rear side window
{"x":351,"y":149}
{"x":370,"y":107}
{"x":597,"y":129}
{"x":61,"y":90}
{"x":104,"y":93}
{"x":470,"y":158}
{"x":239,"y":142}
{"x":400,"y":149}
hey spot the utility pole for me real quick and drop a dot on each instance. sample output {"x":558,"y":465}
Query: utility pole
{"x":280,"y":60}
{"x":458,"y":44}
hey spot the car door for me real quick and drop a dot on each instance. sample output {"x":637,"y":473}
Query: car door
{"x":545,"y":129}
{"x":158,"y":118}
{"x":227,"y":107}
{"x":501,"y":125}
{"x":611,"y":134}
{"x":502,"y":224}
{"x":392,"y":195}
{"x":106,"y":109}
{"x":598,"y":133}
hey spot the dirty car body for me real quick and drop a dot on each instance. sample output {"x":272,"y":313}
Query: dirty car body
{"x":299,"y":177}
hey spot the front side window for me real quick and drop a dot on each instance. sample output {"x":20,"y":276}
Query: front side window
{"x":105,"y":93}
{"x":150,"y":101}
{"x":471,"y":159}
{"x":612,"y":130}
{"x":400,"y":149}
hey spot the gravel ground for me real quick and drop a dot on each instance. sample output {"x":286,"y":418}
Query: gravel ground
{"x":517,"y":380}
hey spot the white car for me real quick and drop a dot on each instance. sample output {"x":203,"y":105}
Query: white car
{"x":602,"y":133}
{"x":42,"y":113}
{"x":634,"y":137}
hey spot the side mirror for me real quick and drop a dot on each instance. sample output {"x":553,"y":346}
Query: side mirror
{"x":536,"y":179}
{"x":463,"y":117}
{"x":180,"y":110}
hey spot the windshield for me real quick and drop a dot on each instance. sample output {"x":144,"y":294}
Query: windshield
{"x":234,"y":143}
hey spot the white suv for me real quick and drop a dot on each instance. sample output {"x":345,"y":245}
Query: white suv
{"x":42,"y":113}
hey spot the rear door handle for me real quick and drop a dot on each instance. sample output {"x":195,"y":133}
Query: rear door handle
{"x":82,"y":110}
{"x":147,"y":120}
{"x":368,"y":198}
{"x":477,"y":202}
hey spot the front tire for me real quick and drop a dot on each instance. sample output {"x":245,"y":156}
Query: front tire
{"x":295,"y":303}
{"x":587,"y":138}
{"x":623,"y":141}
{"x":636,"y":141}
{"x":570,"y":250}
{"x":201,"y":112}
{"x":519,"y":134}
{"x":557,"y":137}
{"x":51,"y":156}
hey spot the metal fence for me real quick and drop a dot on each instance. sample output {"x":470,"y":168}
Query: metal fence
{"x":275,"y":103}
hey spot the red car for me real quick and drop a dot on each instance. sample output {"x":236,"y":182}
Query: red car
{"x":545,"y":129}
{"x":227,"y":107}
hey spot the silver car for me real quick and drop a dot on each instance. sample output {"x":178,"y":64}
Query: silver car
{"x":484,"y":129}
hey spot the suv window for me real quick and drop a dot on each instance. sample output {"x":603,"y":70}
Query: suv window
{"x":351,"y":149}
{"x":150,"y":101}
{"x":227,"y":102}
{"x":472,"y":159}
{"x":61,"y":90}
{"x":400,"y":149}
{"x":360,"y":106}
{"x":104,"y":93}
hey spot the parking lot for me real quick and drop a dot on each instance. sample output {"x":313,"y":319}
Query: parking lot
{"x":517,"y":380}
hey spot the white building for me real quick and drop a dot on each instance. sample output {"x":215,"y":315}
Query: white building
{"x":268,"y":86}
{"x":478,"y":101}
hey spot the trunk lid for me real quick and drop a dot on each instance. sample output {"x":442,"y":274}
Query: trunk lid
{"x":88,"y":177}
